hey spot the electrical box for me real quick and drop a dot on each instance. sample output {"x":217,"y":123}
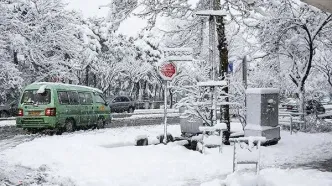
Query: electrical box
{"x":262,"y":113}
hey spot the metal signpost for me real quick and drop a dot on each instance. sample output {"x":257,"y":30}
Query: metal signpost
{"x":168,"y":70}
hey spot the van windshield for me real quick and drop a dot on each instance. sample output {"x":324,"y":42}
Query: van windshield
{"x":32,"y":97}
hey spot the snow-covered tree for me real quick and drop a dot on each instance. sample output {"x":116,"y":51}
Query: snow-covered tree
{"x":41,"y":36}
{"x":324,"y":64}
{"x":292,"y":33}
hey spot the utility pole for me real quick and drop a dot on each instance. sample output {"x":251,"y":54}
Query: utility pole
{"x":212,"y":39}
{"x":213,"y":13}
{"x":223,"y":65}
{"x":212,"y":46}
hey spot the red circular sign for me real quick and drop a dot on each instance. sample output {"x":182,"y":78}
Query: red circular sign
{"x":167,"y":70}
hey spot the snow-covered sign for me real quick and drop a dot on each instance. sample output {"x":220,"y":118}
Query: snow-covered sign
{"x":211,"y":13}
{"x":178,"y":54}
{"x":167,"y":70}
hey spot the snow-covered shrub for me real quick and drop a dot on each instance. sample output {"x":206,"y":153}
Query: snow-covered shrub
{"x":315,"y":125}
{"x":198,"y":102}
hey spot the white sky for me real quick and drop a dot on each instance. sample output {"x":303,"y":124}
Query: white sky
{"x":89,"y":8}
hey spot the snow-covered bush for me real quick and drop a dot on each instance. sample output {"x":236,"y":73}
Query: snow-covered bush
{"x":198,"y":102}
{"x":316,"y":125}
{"x":11,"y":81}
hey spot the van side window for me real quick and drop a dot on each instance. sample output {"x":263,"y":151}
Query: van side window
{"x":82,"y":98}
{"x":88,"y":98}
{"x":100,"y":99}
{"x":63,"y":97}
{"x":73,"y":97}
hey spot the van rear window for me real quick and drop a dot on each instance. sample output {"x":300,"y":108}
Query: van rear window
{"x":31,"y":97}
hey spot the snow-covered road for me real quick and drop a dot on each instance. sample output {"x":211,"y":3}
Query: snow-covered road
{"x":95,"y":158}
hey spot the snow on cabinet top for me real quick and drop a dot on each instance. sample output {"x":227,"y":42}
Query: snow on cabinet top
{"x":44,"y":84}
{"x":262,"y":91}
{"x":211,"y":83}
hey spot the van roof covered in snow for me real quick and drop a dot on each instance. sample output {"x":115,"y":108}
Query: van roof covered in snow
{"x":61,"y":86}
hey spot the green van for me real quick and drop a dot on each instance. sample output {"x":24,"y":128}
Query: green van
{"x":62,"y":107}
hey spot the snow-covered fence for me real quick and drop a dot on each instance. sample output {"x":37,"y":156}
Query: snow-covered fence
{"x":246,"y":152}
{"x":215,"y":139}
{"x":291,"y":120}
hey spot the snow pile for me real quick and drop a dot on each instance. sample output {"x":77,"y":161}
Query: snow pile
{"x":41,"y":89}
{"x":212,"y":140}
{"x":83,"y":158}
{"x":11,"y":122}
{"x":109,"y":157}
{"x":20,"y":175}
{"x":218,"y":126}
{"x":244,"y":153}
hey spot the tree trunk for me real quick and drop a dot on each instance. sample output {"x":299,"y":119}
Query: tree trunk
{"x":140,"y":91}
{"x":15,"y":58}
{"x":161,"y":95}
{"x":95,"y":80}
{"x":87,"y":76}
{"x":155,"y":92}
{"x":170,"y":98}
{"x":302,"y":102}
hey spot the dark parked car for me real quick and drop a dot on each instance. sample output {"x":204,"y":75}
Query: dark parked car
{"x":287,"y":101}
{"x":9,"y":109}
{"x":122,"y":104}
{"x":311,"y":107}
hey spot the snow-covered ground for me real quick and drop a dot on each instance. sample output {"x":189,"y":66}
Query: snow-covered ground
{"x":10,"y":122}
{"x":108,"y":157}
{"x":275,"y":177}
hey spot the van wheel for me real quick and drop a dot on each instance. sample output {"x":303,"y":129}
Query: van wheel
{"x":4,"y":114}
{"x":100,"y":123}
{"x":69,"y":125}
